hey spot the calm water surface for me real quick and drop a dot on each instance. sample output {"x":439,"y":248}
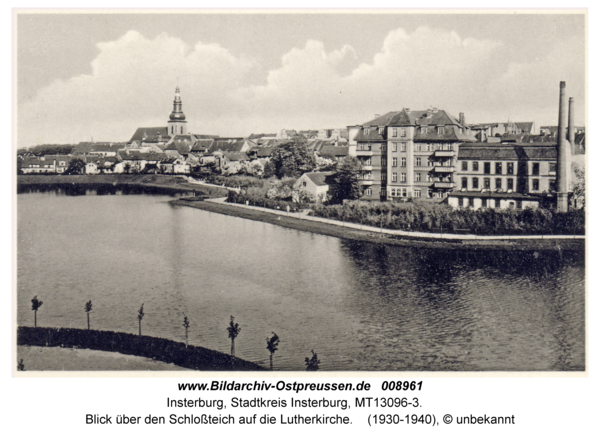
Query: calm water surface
{"x":360,"y":306}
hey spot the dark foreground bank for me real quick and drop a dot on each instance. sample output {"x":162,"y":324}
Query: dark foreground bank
{"x":373,"y":237}
{"x":159,"y":349}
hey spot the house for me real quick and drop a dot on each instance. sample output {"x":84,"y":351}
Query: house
{"x":335,"y":153}
{"x":314,"y":187}
{"x":409,"y":153}
{"x":106,"y":149}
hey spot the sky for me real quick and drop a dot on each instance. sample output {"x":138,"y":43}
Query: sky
{"x":100,"y":76}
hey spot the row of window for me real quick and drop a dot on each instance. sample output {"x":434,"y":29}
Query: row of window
{"x":510,"y":184}
{"x":402,"y":146}
{"x":402,"y":132}
{"x":499,"y":167}
{"x":488,"y":202}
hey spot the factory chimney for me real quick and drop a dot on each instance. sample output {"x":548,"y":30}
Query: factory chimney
{"x":563,"y":153}
{"x":571,"y":130}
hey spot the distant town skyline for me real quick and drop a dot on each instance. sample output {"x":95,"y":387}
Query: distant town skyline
{"x":101,"y":76}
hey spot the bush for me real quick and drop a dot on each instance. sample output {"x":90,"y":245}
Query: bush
{"x":427,"y":217}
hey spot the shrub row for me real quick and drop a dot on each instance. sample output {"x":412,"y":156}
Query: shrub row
{"x":260,"y":201}
{"x":426,"y":217}
{"x":160,"y":349}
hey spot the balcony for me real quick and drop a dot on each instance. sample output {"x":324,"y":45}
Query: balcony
{"x":366,"y":182}
{"x":423,"y":168}
{"x":422,"y":183}
{"x":443,"y":168}
{"x":364,"y":153}
{"x":444,"y":153}
{"x":366,"y":168}
{"x":443,"y":185}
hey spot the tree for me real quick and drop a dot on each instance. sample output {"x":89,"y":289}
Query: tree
{"x":272,"y":344}
{"x":76,"y":166}
{"x":346,"y":178}
{"x":233,"y":329}
{"x":88,"y":308}
{"x":312,"y":364}
{"x":35,"y":305}
{"x":186,"y":325}
{"x":140,"y":317}
{"x":579,"y":187}
{"x":292,"y":159}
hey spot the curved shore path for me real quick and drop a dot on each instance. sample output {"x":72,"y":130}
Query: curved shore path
{"x":302,"y":221}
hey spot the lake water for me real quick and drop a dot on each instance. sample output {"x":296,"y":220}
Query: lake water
{"x":360,"y":306}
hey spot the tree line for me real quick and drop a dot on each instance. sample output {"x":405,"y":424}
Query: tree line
{"x":233,"y":330}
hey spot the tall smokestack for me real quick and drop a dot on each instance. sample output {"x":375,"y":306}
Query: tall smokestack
{"x":571,"y":131}
{"x":562,"y":196}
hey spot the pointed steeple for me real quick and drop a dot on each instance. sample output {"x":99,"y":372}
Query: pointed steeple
{"x":177,"y":122}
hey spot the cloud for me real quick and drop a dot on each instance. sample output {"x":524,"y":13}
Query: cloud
{"x":133,"y":79}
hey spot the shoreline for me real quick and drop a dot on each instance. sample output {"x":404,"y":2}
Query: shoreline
{"x":177,"y":184}
{"x":345,"y":232}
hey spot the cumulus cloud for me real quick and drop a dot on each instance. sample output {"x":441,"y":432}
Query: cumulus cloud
{"x":133,"y":79}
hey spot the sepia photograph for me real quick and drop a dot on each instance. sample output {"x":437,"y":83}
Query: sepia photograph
{"x":300,"y":191}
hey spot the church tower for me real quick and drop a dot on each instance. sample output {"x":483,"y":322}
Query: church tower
{"x":177,"y":123}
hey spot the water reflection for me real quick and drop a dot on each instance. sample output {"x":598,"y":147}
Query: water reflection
{"x":360,"y":306}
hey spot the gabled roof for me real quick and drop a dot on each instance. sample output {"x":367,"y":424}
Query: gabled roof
{"x":414,"y":117}
{"x":334,"y":151}
{"x":138,"y":155}
{"x":202,"y":145}
{"x":90,"y":147}
{"x":321,"y":178}
{"x":182,"y":143}
{"x":233,"y":145}
{"x":484,"y":151}
{"x":145,"y":133}
{"x":236,"y":157}
{"x":262,"y":152}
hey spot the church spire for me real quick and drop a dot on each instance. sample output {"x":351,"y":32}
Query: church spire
{"x":177,"y":122}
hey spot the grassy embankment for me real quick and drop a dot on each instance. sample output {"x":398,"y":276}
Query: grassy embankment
{"x":160,"y":349}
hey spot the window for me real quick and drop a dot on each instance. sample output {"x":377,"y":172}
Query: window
{"x":403,"y":192}
{"x":383,"y":161}
{"x":424,"y":130}
{"x":402,"y":132}
{"x":552,"y":185}
{"x":519,"y":205}
{"x":465,"y":166}
{"x":486,"y":183}
{"x":535,"y":184}
{"x":381,"y":130}
{"x":417,"y":176}
{"x":403,"y":177}
{"x":369,"y":192}
{"x":498,"y":183}
{"x":304,"y":184}
{"x":464,"y":183}
{"x":418,"y":161}
{"x":476,"y":166}
{"x":510,"y":184}
{"x":461,"y":202}
{"x":471,"y":202}
{"x":552,"y":167}
{"x":484,"y":202}
{"x":475,"y":183}
{"x":394,"y":176}
{"x":487,"y":167}
{"x":367,"y":131}
{"x":395,"y":162}
{"x":403,"y":162}
{"x":383,"y":176}
{"x":417,"y":193}
{"x":535,"y":169}
{"x":394,"y":132}
{"x":393,"y":192}
{"x":395,"y":147}
{"x":498,"y":167}
{"x":367,"y":162}
{"x":510,"y":168}
{"x":417,"y":147}
{"x":440,"y":130}
{"x":383,"y":147}
{"x":403,"y":146}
